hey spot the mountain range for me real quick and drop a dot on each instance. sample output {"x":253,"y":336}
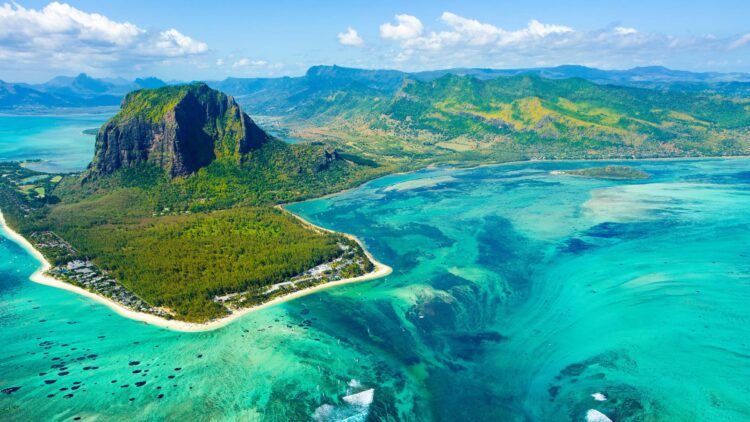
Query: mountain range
{"x":465,"y":115}
{"x":70,"y":92}
{"x":273,"y":95}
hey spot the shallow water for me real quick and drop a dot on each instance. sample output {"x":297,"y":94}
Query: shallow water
{"x":516,"y":295}
{"x":57,"y":140}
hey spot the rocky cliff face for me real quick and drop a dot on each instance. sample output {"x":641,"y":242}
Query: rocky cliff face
{"x":178,"y":128}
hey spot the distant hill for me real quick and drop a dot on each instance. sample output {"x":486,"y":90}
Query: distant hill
{"x":22,"y":97}
{"x":657,"y":75}
{"x":69,"y":92}
{"x":82,"y":85}
{"x":468,"y":118}
{"x":277,"y":96}
{"x":150,"y":82}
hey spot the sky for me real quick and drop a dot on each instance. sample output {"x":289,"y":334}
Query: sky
{"x":190,"y":40}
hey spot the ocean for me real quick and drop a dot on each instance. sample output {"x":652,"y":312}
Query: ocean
{"x":517,"y":294}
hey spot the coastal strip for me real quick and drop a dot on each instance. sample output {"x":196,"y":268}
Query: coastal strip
{"x":40,"y":276}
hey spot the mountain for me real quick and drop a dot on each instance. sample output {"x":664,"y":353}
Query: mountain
{"x":85,"y":86}
{"x":180,"y":129}
{"x":338,"y":77}
{"x":471,"y":119}
{"x":656,"y":76}
{"x":277,"y":96}
{"x":81,"y":85}
{"x":280,"y":96}
{"x":70,"y":92}
{"x":192,"y":148}
{"x":150,"y":82}
{"x":22,"y":97}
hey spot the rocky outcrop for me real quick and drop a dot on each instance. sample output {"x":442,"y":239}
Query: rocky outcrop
{"x":178,"y":128}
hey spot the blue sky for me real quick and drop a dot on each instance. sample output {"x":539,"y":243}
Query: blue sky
{"x":212,"y":40}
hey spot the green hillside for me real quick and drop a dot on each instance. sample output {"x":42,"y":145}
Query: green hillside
{"x":465,"y":117}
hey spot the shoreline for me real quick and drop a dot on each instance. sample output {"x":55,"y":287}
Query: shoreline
{"x":381,"y":270}
{"x":39,"y":276}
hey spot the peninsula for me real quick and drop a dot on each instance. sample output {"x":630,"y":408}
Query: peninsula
{"x":174,"y":223}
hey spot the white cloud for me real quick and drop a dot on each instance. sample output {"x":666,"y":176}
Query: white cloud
{"x":465,"y":32}
{"x":219,"y":62}
{"x":61,"y":36}
{"x":247,"y":67}
{"x":407,"y":27}
{"x":465,"y":41}
{"x":173,"y":43}
{"x":621,"y":30}
{"x":351,"y":37}
{"x":742,"y":41}
{"x":59,"y":20}
{"x":245,"y":62}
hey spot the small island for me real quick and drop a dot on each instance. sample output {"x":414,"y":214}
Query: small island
{"x":608,"y":173}
{"x":92,"y":131}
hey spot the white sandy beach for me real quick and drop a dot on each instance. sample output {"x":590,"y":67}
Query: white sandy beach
{"x":39,"y":276}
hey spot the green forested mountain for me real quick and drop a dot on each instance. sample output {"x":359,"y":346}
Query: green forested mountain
{"x":528,"y":115}
{"x":570,"y":114}
{"x":177,"y":206}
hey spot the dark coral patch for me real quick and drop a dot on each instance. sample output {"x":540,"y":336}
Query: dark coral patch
{"x":10,"y":390}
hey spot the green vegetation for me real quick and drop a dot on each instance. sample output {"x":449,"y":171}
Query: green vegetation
{"x":151,"y":104}
{"x":461,"y":118}
{"x":611,"y":173}
{"x":179,"y":242}
{"x":182,"y":262}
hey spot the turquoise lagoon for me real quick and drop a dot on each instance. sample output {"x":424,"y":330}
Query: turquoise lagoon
{"x":517,"y":294}
{"x":57,"y":140}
